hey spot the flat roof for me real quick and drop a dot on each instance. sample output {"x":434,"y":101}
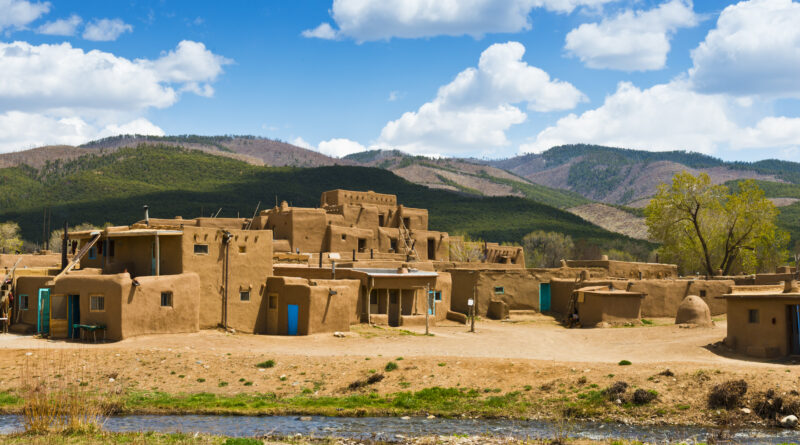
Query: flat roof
{"x":382,"y":272}
{"x":124,"y":233}
{"x":763,"y":296}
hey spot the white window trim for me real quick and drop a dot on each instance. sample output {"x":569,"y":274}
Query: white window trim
{"x":90,"y":303}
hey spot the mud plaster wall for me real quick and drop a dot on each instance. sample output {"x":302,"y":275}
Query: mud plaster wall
{"x":662,"y":297}
{"x":30,"y":285}
{"x":624,"y":269}
{"x":772,"y":278}
{"x":319,"y":311}
{"x":248,"y":269}
{"x":49,"y":260}
{"x":609,"y":307}
{"x":112,"y":287}
{"x":766,"y":339}
{"x":142,"y":312}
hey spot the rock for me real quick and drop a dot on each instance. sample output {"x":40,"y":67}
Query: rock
{"x":431,"y":416}
{"x":618,"y":402}
{"x":338,"y":334}
{"x":789,"y":421}
{"x":405,"y":418}
{"x":745,"y":410}
{"x":111,"y":380}
{"x":304,"y":418}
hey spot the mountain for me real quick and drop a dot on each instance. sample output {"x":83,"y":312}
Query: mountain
{"x":112,"y":184}
{"x":630,"y":177}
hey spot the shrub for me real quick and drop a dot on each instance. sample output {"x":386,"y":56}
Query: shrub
{"x":643,"y":397}
{"x":625,"y":363}
{"x":266,"y":364}
{"x":222,"y":384}
{"x":727,"y":394}
{"x":616,"y":390}
{"x":391,"y":366}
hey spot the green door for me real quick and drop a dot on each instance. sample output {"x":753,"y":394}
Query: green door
{"x":43,"y":321}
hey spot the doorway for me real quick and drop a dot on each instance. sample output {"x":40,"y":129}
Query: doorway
{"x":73,"y":316}
{"x":292,"y":318}
{"x":544,"y":297}
{"x":43,"y":317}
{"x":394,"y":307}
{"x":431,"y":249}
{"x":793,"y":313}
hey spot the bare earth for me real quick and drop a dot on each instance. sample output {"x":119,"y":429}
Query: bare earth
{"x":530,"y":353}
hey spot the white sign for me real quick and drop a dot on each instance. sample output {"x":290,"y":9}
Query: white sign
{"x":470,"y":302}
{"x":333,"y":256}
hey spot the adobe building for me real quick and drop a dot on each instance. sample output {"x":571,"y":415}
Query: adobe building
{"x":764,"y":322}
{"x":605,"y":306}
{"x":351,"y":222}
{"x":628,"y":269}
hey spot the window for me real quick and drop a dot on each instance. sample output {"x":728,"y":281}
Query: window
{"x":273,"y":301}
{"x":242,"y":249}
{"x":752,"y":316}
{"x":407,"y":222}
{"x":393,"y":244}
{"x":97,"y":303}
{"x":499,"y":290}
{"x":244,"y":295}
{"x":58,"y":307}
{"x":437,"y":295}
{"x":93,"y":253}
{"x":100,"y":247}
{"x":166,"y":299}
{"x":111,"y":247}
{"x":344,"y":236}
{"x":373,"y":297}
{"x":23,"y":302}
{"x":201,"y":249}
{"x":703,"y":293}
{"x":381,"y":219}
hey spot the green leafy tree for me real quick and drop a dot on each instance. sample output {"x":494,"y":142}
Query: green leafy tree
{"x":466,"y":249}
{"x":10,"y":240}
{"x":705,"y":228}
{"x":56,"y":235}
{"x":546,"y":249}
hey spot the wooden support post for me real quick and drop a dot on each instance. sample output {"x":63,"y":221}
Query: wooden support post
{"x":427,"y":306}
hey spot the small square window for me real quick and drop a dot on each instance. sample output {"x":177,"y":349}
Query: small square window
{"x":166,"y":299}
{"x":97,"y":303}
{"x":93,"y":253}
{"x":499,"y":290}
{"x":273,"y":301}
{"x":242,"y":249}
{"x":201,"y":249}
{"x":752,"y":316}
{"x":244,"y":295}
{"x":23,"y":302}
{"x":437,"y":295}
{"x":344,"y":236}
{"x":703,"y":293}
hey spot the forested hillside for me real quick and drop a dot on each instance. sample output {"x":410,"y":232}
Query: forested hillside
{"x":175,"y":181}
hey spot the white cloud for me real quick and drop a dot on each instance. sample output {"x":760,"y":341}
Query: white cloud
{"x":474,"y":111}
{"x":633,"y":40}
{"x":20,"y":130}
{"x":105,"y":30}
{"x":323,"y":31}
{"x":17,"y":14}
{"x":61,"y":27}
{"x":754,"y":50}
{"x":365,"y":20}
{"x":394,"y":95}
{"x":339,"y":147}
{"x":72,"y":93}
{"x":667,"y":117}
{"x":302,"y":143}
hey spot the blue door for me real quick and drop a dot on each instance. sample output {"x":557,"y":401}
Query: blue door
{"x":73,"y":315}
{"x":43,"y":320}
{"x":293,"y":314}
{"x":544,"y":297}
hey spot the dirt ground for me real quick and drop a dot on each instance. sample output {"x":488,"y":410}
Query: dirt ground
{"x":531,"y":354}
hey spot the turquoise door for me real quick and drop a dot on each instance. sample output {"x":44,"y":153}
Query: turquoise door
{"x":544,"y":297}
{"x":293,"y":315}
{"x":43,"y":320}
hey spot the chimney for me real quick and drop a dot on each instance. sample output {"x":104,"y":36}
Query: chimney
{"x":146,"y":214}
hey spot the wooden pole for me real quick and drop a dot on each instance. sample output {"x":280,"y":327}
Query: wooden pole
{"x":157,"y":248}
{"x":472,"y":309}
{"x":427,"y":306}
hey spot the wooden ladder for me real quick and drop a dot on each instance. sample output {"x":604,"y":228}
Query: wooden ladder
{"x":77,"y":257}
{"x":573,"y":301}
{"x":408,"y":243}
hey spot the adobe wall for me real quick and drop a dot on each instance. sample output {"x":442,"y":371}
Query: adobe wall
{"x":319,"y":311}
{"x":766,"y":339}
{"x":142,"y":312}
{"x":114,"y":288}
{"x":8,"y":260}
{"x":441,"y":245}
{"x":247,"y":271}
{"x":624,"y":269}
{"x":340,"y":197}
{"x":772,"y":278}
{"x":662,"y":297}
{"x":561,"y":290}
{"x":614,"y":307}
{"x":345,"y":240}
{"x":30,"y":285}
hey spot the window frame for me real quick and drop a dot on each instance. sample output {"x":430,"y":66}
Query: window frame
{"x":202,"y":246}
{"x":242,"y":294}
{"x":272,"y":303}
{"x":753,"y":316}
{"x":499,"y":290}
{"x":171,"y":300}
{"x":92,"y":253}
{"x":101,"y":298}
{"x":26,"y":299}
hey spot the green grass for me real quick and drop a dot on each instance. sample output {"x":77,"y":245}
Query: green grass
{"x":102,"y":437}
{"x":173,"y":181}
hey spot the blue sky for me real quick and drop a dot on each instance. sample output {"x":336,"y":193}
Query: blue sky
{"x":483,"y":78}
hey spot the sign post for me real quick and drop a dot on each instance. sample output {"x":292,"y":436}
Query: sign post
{"x":427,"y":306}
{"x":471,"y":304}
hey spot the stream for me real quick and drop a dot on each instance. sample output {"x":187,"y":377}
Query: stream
{"x":393,"y":428}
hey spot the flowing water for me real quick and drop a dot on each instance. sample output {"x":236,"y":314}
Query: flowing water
{"x":392,"y":428}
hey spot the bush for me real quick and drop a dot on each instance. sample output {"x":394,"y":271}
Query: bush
{"x":391,"y":366}
{"x":727,"y":394}
{"x":643,"y":397}
{"x":266,"y":364}
{"x":616,"y":390}
{"x":625,"y":363}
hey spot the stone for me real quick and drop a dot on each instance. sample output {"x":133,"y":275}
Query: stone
{"x":405,"y":418}
{"x":338,"y":334}
{"x":431,"y":416}
{"x":745,"y":410}
{"x":789,"y":421}
{"x":304,"y":418}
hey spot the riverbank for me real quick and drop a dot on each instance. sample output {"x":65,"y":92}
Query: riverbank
{"x":502,"y":371}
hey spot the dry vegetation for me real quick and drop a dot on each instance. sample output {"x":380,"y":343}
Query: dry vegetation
{"x":612,"y":219}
